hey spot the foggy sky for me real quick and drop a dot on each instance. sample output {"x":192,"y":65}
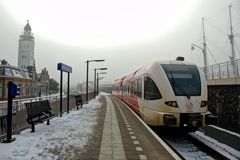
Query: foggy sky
{"x":125,"y":59}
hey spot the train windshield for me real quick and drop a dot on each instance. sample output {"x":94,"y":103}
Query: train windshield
{"x":184,"y":79}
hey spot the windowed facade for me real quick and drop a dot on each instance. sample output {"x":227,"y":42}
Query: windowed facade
{"x":1,"y":89}
{"x":19,"y":77}
{"x":8,"y":72}
{"x":151,"y":91}
{"x":125,"y":90}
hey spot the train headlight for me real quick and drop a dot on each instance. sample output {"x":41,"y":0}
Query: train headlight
{"x":204,"y":103}
{"x":172,"y":103}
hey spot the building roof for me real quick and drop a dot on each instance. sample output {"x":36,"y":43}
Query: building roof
{"x":12,"y":71}
{"x":27,"y":28}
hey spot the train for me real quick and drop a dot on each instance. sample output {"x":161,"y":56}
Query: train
{"x":169,"y":93}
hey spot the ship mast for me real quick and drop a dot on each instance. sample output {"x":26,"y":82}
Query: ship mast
{"x":204,"y":45}
{"x":231,"y":36}
{"x":204,"y":48}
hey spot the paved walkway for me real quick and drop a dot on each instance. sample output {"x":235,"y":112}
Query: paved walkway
{"x":111,"y":146}
{"x":119,"y":135}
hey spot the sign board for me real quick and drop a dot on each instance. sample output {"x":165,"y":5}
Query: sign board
{"x":14,"y":90}
{"x":64,"y":68}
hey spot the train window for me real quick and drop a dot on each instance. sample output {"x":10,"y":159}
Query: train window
{"x":151,"y":91}
{"x":138,"y":87}
{"x":184,"y":79}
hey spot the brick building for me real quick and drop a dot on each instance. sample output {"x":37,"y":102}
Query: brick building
{"x":21,"y":77}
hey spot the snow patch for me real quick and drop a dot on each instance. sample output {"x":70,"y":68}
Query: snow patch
{"x":223,"y":149}
{"x":64,"y":138}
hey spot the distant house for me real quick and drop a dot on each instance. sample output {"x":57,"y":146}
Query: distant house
{"x":21,"y":77}
{"x":43,"y":82}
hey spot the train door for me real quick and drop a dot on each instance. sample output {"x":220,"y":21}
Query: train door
{"x":138,"y":94}
{"x":141,"y":101}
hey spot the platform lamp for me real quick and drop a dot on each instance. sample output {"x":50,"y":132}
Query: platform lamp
{"x":95,"y":70}
{"x":98,"y":79}
{"x":204,"y":51}
{"x":96,"y":60}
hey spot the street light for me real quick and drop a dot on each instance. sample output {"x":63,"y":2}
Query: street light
{"x":98,"y":60}
{"x":204,"y":51}
{"x":98,"y":79}
{"x":95,"y":78}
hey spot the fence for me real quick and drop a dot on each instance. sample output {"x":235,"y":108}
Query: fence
{"x":19,"y":117}
{"x":223,"y":70}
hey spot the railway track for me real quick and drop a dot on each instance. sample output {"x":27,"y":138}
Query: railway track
{"x":192,"y":146}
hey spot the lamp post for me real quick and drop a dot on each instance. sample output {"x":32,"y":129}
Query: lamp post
{"x":98,"y":79}
{"x":95,"y":78}
{"x":193,"y":46}
{"x":98,"y":60}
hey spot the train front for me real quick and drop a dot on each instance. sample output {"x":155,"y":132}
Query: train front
{"x":188,"y":97}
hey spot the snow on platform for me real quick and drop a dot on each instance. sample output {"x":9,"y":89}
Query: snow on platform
{"x":66,"y":136}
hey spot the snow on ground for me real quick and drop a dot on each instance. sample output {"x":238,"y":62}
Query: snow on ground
{"x":64,"y":138}
{"x":224,"y":130}
{"x":217,"y":146}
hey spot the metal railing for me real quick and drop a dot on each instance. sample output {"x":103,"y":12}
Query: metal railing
{"x":223,"y":70}
{"x":19,"y":117}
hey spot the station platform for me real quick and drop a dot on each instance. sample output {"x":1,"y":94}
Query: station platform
{"x":121,"y":135}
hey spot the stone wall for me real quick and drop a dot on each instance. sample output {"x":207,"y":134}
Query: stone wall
{"x":224,"y":101}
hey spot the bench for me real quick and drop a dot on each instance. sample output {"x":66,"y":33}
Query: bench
{"x":38,"y":112}
{"x":79,"y":100}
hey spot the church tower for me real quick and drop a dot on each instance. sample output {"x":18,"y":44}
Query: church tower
{"x":26,"y":48}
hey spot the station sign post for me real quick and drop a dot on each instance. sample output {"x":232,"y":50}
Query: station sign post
{"x":13,"y":91}
{"x":64,"y":68}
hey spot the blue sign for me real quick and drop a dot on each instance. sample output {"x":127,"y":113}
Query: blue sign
{"x":14,"y":90}
{"x":64,"y":68}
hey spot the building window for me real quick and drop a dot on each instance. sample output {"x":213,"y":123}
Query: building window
{"x":1,"y":89}
{"x":8,"y":72}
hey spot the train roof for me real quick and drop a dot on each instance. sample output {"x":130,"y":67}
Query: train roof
{"x":174,"y":62}
{"x":153,"y":64}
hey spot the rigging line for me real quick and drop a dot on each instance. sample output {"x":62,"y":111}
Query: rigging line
{"x":237,"y":46}
{"x":201,"y":30}
{"x":226,"y":48}
{"x":235,"y":8}
{"x":236,"y":24}
{"x":211,"y":55}
{"x":218,"y":29}
{"x":216,"y":12}
{"x":214,"y":46}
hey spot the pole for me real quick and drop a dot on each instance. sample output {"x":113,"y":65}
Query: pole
{"x":204,"y":44}
{"x":9,"y":115}
{"x":204,"y":49}
{"x":61,"y":74}
{"x":231,"y":36}
{"x":68,"y":92}
{"x":95,"y":82}
{"x":87,"y":84}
